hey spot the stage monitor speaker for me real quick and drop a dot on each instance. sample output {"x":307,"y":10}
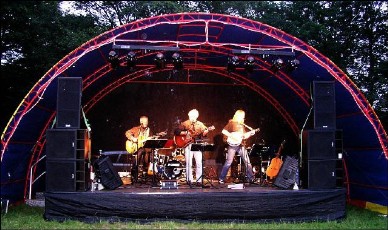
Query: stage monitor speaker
{"x":110,"y":179}
{"x":319,"y":144}
{"x":286,"y":176}
{"x":67,"y":144}
{"x":65,"y":176}
{"x":69,"y":102}
{"x":324,"y":105}
{"x":322,"y":174}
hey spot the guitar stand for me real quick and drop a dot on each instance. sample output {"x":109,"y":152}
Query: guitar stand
{"x":207,"y":179}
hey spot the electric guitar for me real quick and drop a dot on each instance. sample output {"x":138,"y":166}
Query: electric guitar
{"x":276,"y":163}
{"x":132,"y":146}
{"x":181,"y":141}
{"x":236,"y":138}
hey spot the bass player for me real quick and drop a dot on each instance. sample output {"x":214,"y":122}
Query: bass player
{"x":191,"y":130}
{"x":235,"y":132}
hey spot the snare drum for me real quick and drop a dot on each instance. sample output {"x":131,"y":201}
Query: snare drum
{"x":173,"y":170}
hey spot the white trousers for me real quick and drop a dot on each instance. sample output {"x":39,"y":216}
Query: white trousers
{"x":189,"y":164}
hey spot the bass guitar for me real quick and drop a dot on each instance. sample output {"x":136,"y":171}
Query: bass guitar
{"x":181,"y":141}
{"x":132,"y":146}
{"x":276,"y":163}
{"x":236,"y":138}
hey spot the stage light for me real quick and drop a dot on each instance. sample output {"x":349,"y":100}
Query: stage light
{"x":277,"y":64}
{"x":292,"y":65}
{"x":160,"y":61}
{"x":249,"y":64}
{"x":131,"y":60}
{"x":113,"y":58}
{"x":177,"y":61}
{"x":232,"y":63}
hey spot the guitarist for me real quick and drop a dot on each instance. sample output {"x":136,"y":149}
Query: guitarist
{"x":192,"y":129}
{"x":136,"y":136}
{"x":236,"y":134}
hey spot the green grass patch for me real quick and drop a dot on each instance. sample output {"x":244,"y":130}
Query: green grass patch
{"x":26,"y":217}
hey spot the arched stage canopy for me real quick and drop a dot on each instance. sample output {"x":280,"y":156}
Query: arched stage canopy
{"x":205,"y":41}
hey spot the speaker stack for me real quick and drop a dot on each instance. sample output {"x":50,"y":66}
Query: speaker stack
{"x":318,"y":144}
{"x":68,"y":146}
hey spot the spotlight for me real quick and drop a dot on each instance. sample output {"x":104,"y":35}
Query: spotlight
{"x":177,"y":61}
{"x":277,"y":64}
{"x":292,"y":65}
{"x":160,"y":61}
{"x":232,"y":63}
{"x":113,"y":58}
{"x":249,"y":64}
{"x":131,"y":60}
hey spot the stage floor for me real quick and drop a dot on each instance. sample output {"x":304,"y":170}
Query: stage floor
{"x":213,"y":202}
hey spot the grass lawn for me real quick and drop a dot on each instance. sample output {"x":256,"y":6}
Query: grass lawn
{"x":26,"y":217}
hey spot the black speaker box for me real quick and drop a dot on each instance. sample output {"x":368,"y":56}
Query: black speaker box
{"x":322,"y":174}
{"x":66,"y":144}
{"x":286,"y":176}
{"x":66,"y":176}
{"x":110,"y":179}
{"x":319,"y":144}
{"x":324,"y":104}
{"x":69,"y":102}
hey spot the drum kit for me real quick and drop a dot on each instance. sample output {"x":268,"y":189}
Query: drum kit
{"x":170,"y":164}
{"x":167,"y":161}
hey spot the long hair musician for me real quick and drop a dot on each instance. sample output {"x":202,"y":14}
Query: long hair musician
{"x":236,"y":135}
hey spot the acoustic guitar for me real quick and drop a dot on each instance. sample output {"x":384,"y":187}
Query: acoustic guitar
{"x":132,"y":146}
{"x":181,"y":141}
{"x":276,"y":163}
{"x":236,"y":138}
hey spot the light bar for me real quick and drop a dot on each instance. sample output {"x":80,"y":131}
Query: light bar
{"x":145,"y":47}
{"x":270,"y":52}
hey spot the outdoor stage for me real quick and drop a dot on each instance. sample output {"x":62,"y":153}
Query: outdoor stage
{"x":216,"y":202}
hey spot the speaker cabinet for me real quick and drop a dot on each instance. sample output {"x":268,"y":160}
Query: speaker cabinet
{"x":319,"y":144}
{"x":286,"y":176}
{"x":67,"y":144}
{"x":66,"y":175}
{"x":69,"y":102}
{"x":110,"y":179}
{"x":322,"y":174}
{"x":324,"y":105}
{"x":67,"y":157}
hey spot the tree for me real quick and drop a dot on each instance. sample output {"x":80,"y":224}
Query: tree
{"x":34,"y":36}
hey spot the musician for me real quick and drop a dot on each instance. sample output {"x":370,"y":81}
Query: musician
{"x":136,"y":136}
{"x":236,"y":134}
{"x":194,"y":130}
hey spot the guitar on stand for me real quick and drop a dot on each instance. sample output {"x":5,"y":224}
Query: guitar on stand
{"x":276,"y":163}
{"x":182,"y":141}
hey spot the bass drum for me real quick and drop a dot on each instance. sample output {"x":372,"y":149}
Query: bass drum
{"x":173,"y":170}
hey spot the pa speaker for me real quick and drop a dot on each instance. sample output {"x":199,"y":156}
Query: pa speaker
{"x":60,"y":144}
{"x":319,"y":144}
{"x":324,"y":105}
{"x":286,"y":176}
{"x":69,"y":102}
{"x":67,"y":144}
{"x":322,"y":174}
{"x":110,"y":179}
{"x":65,"y":176}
